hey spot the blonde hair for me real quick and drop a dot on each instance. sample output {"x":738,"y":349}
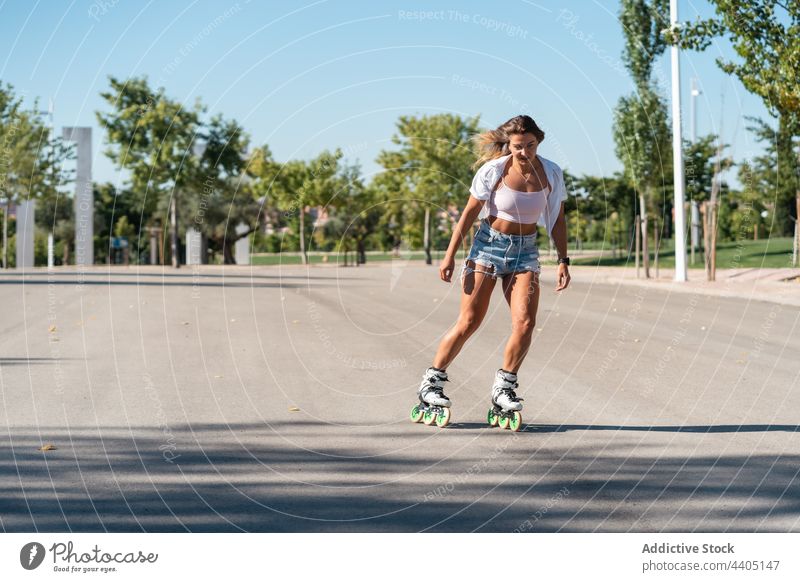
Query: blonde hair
{"x":493,"y":143}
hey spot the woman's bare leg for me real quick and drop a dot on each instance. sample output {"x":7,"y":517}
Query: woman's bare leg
{"x":521,"y":291}
{"x":476,"y":293}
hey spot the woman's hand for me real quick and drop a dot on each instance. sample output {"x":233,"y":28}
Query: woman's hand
{"x":563,"y":277}
{"x":446,"y":268}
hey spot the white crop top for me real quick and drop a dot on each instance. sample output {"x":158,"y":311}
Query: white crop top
{"x":516,"y":206}
{"x":489,"y":174}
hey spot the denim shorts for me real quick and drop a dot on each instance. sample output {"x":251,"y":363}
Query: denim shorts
{"x":498,"y":254}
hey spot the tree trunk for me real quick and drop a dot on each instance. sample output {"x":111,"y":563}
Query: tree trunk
{"x":362,"y":252}
{"x":786,"y":181}
{"x":645,"y":252}
{"x":227,"y":254}
{"x":704,"y":214}
{"x":173,"y":223}
{"x":655,"y":242}
{"x":303,"y":256}
{"x":5,"y":233}
{"x":638,"y":244}
{"x":796,"y":245}
{"x":228,"y":246}
{"x":427,"y":237}
{"x":714,"y":212}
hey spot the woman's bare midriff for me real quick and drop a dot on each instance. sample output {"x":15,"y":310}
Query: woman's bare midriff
{"x":508,"y":227}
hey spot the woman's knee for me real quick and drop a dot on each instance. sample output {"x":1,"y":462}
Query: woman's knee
{"x":467,"y":324}
{"x":523,"y":326}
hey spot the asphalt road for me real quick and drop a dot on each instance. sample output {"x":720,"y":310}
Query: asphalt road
{"x":277,"y":399}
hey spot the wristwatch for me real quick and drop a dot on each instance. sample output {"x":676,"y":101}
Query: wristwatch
{"x":564,"y":260}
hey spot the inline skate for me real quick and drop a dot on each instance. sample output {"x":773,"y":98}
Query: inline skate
{"x":434,"y":406}
{"x":505,"y":403}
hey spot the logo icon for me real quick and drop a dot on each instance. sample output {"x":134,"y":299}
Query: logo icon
{"x":31,"y":555}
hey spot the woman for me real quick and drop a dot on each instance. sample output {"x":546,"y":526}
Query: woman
{"x":514,"y":188}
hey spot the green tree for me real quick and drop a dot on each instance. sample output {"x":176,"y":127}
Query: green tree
{"x":641,"y":136}
{"x":432,"y":168}
{"x":356,"y":210}
{"x":762,"y":175}
{"x":117,"y":210}
{"x":55,"y":210}
{"x":700,"y":165}
{"x":641,"y":130}
{"x":766,"y":36}
{"x":30,"y":158}
{"x":226,"y":197}
{"x":296,"y":185}
{"x":606,"y":205}
{"x":153,"y":137}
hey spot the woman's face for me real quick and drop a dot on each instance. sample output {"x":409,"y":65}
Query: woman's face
{"x":523,"y":147}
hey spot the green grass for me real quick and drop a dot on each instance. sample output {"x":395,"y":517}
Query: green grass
{"x":769,"y":253}
{"x":333,"y":258}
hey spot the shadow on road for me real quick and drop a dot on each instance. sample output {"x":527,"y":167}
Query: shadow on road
{"x":313,"y":477}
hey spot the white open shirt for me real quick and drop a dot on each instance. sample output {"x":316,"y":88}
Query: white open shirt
{"x":489,"y":174}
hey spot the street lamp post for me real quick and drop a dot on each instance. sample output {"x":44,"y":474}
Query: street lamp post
{"x":695,"y":209}
{"x":677,"y":155}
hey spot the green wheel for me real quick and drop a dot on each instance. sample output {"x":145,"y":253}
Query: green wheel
{"x":428,"y":417}
{"x":492,"y":418}
{"x":416,"y":414}
{"x":516,"y":422}
{"x":443,"y":419}
{"x":503,"y":422}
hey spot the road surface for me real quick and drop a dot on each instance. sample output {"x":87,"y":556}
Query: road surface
{"x":277,"y":399}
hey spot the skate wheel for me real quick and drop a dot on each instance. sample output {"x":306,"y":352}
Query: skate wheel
{"x":427,"y":418}
{"x":503,"y":422}
{"x":492,"y":418}
{"x":515,"y":422}
{"x":443,"y":418}
{"x":416,"y":414}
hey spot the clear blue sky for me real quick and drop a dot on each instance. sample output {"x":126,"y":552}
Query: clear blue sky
{"x":305,"y":76}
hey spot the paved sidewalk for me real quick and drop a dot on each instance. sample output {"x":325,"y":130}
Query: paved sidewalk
{"x":774,"y":285}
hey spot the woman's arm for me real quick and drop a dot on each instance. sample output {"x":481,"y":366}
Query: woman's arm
{"x":471,"y":211}
{"x":560,"y":239}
